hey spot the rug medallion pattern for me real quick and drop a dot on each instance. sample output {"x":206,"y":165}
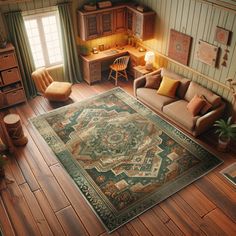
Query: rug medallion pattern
{"x":123,"y":157}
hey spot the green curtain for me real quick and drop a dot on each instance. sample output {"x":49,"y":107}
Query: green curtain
{"x":71,"y":61}
{"x":19,"y":39}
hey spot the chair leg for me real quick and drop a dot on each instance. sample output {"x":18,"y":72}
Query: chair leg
{"x":110,"y":74}
{"x":116,"y":77}
{"x":125,"y":75}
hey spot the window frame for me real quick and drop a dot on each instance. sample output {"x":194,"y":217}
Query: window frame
{"x":38,"y":17}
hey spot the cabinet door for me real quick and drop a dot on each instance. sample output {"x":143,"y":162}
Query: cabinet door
{"x":106,"y":21}
{"x":130,"y":21}
{"x":138,"y":26}
{"x":119,"y":20}
{"x":92,"y":26}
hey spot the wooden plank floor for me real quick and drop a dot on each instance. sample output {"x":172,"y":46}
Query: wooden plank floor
{"x":39,"y":198}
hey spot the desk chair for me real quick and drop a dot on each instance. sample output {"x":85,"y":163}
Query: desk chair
{"x":119,"y":66}
{"x":50,"y":89}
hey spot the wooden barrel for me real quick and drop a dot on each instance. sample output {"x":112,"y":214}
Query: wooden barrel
{"x":14,"y":129}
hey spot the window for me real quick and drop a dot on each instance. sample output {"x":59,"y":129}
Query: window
{"x":45,"y":43}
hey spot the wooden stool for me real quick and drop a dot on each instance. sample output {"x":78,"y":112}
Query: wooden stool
{"x":14,"y":129}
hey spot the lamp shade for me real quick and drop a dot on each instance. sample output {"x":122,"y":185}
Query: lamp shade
{"x":149,"y":57}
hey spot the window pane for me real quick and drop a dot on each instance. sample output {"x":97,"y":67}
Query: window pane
{"x":42,"y":31}
{"x":35,"y":43}
{"x":52,"y":39}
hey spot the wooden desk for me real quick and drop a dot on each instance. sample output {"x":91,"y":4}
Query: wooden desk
{"x":92,"y":64}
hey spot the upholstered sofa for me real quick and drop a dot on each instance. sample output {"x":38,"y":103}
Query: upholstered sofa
{"x":175,"y":109}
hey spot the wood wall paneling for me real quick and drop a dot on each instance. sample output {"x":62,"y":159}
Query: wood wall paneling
{"x":199,"y":20}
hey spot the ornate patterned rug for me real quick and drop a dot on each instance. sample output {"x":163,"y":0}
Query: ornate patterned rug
{"x":123,"y":157}
{"x":230,"y":173}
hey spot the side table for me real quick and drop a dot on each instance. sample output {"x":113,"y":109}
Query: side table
{"x":14,"y":129}
{"x":140,"y":71}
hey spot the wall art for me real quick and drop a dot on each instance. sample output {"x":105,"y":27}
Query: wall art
{"x":207,"y":53}
{"x":222,"y":35}
{"x":179,"y":46}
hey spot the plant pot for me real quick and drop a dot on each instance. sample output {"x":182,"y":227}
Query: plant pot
{"x":223,"y":144}
{"x":84,"y":50}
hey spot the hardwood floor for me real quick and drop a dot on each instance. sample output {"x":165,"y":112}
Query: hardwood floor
{"x":39,"y":198}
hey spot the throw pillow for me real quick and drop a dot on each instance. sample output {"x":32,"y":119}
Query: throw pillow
{"x":168,"y":87}
{"x":206,"y":107}
{"x":153,"y":81}
{"x":195,"y":105}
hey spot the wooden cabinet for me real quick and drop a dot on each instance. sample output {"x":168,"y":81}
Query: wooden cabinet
{"x":106,"y":23}
{"x":11,"y":86}
{"x":141,"y":24}
{"x":130,"y":21}
{"x":119,"y":20}
{"x":95,"y":25}
{"x":124,"y":18}
{"x":92,"y":28}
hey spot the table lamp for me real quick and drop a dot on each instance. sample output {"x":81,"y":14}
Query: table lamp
{"x":149,"y":58}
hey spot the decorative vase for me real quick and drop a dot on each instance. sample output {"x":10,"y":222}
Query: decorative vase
{"x":223,"y":144}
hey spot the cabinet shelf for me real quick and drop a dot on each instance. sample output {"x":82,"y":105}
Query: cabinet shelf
{"x":11,"y":86}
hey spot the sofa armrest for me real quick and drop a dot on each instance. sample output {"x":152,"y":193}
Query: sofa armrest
{"x":208,"y":119}
{"x":140,"y":82}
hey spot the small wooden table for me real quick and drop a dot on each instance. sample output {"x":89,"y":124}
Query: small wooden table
{"x":141,"y":70}
{"x":14,"y":129}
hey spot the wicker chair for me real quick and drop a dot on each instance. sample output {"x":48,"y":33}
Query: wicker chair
{"x":119,"y":66}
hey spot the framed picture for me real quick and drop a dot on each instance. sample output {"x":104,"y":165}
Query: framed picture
{"x":222,"y":35}
{"x":179,"y":46}
{"x":207,"y":53}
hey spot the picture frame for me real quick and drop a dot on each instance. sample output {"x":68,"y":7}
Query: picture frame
{"x":222,"y":35}
{"x":207,"y":53}
{"x":179,"y":46}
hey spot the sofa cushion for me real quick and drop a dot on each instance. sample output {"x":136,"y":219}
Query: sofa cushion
{"x":168,"y":87}
{"x":154,"y":100}
{"x":195,"y":105}
{"x":58,"y":91}
{"x":206,"y":107}
{"x":153,"y":81}
{"x":178,"y":111}
{"x":184,"y":83}
{"x":195,"y":88}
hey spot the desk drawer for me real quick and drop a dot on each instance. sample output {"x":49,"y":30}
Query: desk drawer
{"x":7,"y":60}
{"x":95,"y":66}
{"x":10,"y":76}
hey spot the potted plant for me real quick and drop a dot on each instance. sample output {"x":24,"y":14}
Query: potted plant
{"x":84,"y":50}
{"x":3,"y":40}
{"x":227,"y":131}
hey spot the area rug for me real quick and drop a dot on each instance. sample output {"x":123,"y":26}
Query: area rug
{"x":123,"y":157}
{"x":230,"y":173}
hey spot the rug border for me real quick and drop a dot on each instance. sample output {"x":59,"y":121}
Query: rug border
{"x":223,"y":174}
{"x":154,"y":113}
